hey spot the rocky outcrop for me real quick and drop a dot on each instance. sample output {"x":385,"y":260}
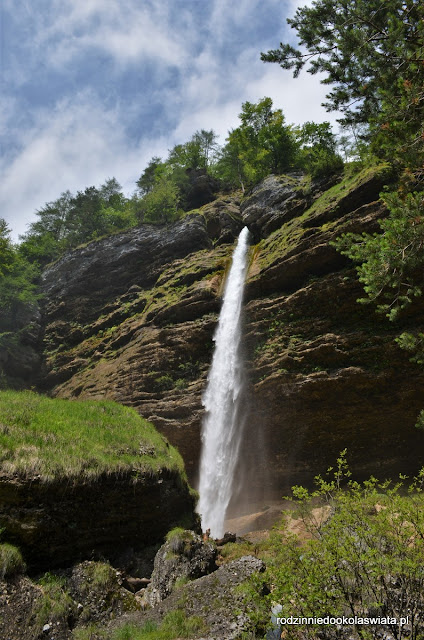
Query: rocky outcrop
{"x":89,"y":593}
{"x":216,"y":599}
{"x":201,"y":188}
{"x":59,"y":522}
{"x":184,"y":557}
{"x":20,"y":357}
{"x":132,"y":318}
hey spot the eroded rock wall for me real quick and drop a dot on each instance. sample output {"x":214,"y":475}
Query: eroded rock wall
{"x":60,"y":522}
{"x":132,"y":318}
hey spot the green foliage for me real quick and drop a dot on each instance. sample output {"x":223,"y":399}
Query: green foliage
{"x":55,"y":603}
{"x":91,"y":632}
{"x":74,"y":219}
{"x":54,"y":438}
{"x":164,"y":383}
{"x":364,"y":558}
{"x":7,"y":255}
{"x":175,"y":624}
{"x":165,"y":185}
{"x":17,"y":291}
{"x":102,"y":575}
{"x":154,"y":169}
{"x":390,"y":262}
{"x":196,"y":153}
{"x":18,"y":294}
{"x":179,"y":540}
{"x":371,"y":53}
{"x":317,"y":149}
{"x":160,"y":204}
{"x":11,"y":561}
{"x":262,"y":144}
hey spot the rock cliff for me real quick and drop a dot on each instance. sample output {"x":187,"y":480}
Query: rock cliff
{"x":132,"y":317}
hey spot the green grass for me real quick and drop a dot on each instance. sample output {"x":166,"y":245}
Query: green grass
{"x":55,"y":603}
{"x":50,"y":438}
{"x":11,"y":561}
{"x":174,"y":625}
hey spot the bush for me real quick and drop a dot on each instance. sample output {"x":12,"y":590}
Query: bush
{"x":365,"y":559}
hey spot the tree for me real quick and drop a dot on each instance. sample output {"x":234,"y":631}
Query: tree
{"x":230,"y":166}
{"x":6,"y":249}
{"x":111,"y":190}
{"x":262,"y":144}
{"x":85,"y":220}
{"x":196,"y":153}
{"x":317,"y":149}
{"x":17,"y":277}
{"x":160,"y":205}
{"x":147,"y":179}
{"x":390,"y":264}
{"x":207,"y":141}
{"x":73,"y":219}
{"x":372,"y":53}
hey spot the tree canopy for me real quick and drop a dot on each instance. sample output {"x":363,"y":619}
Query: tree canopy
{"x":264,"y":143}
{"x":372,"y":56}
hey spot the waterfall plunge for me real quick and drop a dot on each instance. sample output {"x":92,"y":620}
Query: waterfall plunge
{"x":222,"y":428}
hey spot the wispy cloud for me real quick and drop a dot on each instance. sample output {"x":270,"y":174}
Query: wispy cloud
{"x":76,"y":145}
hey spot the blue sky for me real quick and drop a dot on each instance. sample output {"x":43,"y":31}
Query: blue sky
{"x":92,"y":89}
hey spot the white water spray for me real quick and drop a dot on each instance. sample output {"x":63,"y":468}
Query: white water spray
{"x":221,"y":429}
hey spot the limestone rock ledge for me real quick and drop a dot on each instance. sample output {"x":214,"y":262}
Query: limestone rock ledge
{"x":60,"y":522}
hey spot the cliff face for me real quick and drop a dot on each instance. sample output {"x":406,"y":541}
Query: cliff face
{"x":132,"y":318}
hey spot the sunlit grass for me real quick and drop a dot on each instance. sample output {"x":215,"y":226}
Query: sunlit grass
{"x":50,"y":438}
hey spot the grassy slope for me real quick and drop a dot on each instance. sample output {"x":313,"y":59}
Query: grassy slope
{"x":53,"y":438}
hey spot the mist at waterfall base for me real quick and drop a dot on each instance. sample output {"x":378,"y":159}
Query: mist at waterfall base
{"x":223,"y":425}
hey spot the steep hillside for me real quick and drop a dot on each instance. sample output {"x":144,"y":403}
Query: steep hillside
{"x":132,"y":317}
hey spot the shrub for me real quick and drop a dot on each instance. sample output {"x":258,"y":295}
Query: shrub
{"x":164,"y":383}
{"x":364,"y":560}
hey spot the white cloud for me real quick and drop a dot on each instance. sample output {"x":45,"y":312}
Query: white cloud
{"x":77,"y":145}
{"x":82,"y":140}
{"x":128,"y":31}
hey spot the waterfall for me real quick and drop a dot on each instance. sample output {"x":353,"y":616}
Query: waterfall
{"x":222,"y":428}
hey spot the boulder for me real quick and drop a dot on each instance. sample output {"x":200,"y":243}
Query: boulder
{"x":183,"y":557}
{"x":216,"y":599}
